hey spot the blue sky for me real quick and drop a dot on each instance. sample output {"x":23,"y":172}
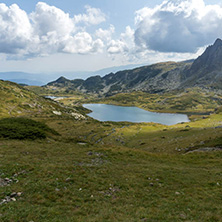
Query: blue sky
{"x":56,"y":36}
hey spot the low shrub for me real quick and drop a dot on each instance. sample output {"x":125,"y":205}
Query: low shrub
{"x":23,"y":128}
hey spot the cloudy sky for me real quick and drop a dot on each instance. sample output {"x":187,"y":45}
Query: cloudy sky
{"x":69,"y":35}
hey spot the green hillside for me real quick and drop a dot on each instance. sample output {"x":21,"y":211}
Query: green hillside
{"x":191,"y":100}
{"x":16,"y":100}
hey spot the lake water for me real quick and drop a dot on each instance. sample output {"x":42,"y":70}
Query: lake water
{"x":104,"y":112}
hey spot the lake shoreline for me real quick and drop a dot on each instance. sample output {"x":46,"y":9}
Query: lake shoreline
{"x":108,"y":112}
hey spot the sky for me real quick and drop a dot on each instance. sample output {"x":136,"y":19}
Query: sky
{"x":70,"y":36}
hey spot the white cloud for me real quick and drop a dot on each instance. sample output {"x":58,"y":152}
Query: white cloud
{"x":93,"y":16}
{"x":116,"y":47}
{"x":105,"y":34}
{"x":178,"y":26}
{"x":16,"y":31}
{"x":47,"y":19}
{"x":173,"y":29}
{"x":82,"y":43}
{"x":47,"y":30}
{"x":124,"y":44}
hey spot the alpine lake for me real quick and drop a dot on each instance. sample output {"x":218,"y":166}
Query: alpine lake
{"x":104,"y":112}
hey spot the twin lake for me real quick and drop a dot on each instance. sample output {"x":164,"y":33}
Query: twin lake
{"x":104,"y":112}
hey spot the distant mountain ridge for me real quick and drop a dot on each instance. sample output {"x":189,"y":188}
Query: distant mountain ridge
{"x":204,"y":72}
{"x":147,"y":78}
{"x":40,"y":79}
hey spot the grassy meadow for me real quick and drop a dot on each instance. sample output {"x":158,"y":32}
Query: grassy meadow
{"x":92,"y":171}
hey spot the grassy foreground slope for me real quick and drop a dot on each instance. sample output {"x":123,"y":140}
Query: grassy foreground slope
{"x":69,"y":182}
{"x":103,"y":171}
{"x":113,"y":172}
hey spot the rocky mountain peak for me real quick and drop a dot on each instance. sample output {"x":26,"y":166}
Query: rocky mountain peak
{"x":218,"y":43}
{"x":210,"y":60}
{"x":61,"y":79}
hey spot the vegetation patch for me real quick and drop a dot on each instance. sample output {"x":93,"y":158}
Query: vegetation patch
{"x":23,"y":128}
{"x":190,"y":101}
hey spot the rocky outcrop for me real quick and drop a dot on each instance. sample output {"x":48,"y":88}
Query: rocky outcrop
{"x":206,"y":70}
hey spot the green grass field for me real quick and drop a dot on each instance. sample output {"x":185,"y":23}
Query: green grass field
{"x":91,"y":171}
{"x":69,"y":182}
{"x":76,"y":176}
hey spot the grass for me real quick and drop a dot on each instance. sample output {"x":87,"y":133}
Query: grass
{"x":145,"y":179}
{"x":16,"y":101}
{"x":105,"y":171}
{"x":188,"y":101}
{"x":70,"y":182}
{"x":71,"y":97}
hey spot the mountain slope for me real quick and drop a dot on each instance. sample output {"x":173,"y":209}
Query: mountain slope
{"x":15,"y":100}
{"x":204,"y":72}
{"x":153,"y":78}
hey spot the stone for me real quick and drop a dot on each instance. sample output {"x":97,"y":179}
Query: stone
{"x":14,"y":194}
{"x":3,"y":201}
{"x":8,"y":199}
{"x":57,"y":113}
{"x":68,"y":179}
{"x":19,"y":194}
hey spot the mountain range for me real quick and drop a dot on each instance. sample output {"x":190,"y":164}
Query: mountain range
{"x":40,"y":79}
{"x":204,"y":72}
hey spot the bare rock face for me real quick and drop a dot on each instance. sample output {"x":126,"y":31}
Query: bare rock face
{"x":210,"y":60}
{"x":206,"y":70}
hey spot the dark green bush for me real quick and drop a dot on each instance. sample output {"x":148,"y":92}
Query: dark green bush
{"x":23,"y":128}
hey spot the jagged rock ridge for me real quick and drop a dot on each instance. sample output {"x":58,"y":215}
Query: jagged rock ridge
{"x":205,"y":72}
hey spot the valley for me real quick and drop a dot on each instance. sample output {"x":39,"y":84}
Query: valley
{"x":58,"y":164}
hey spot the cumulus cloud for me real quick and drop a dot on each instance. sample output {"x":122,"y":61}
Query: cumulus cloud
{"x":16,"y":31}
{"x":47,"y":19}
{"x":47,"y":30}
{"x":124,"y":44}
{"x":167,"y":30}
{"x":178,"y":26}
{"x":105,"y":34}
{"x":93,"y":16}
{"x":116,"y":47}
{"x":82,"y":43}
